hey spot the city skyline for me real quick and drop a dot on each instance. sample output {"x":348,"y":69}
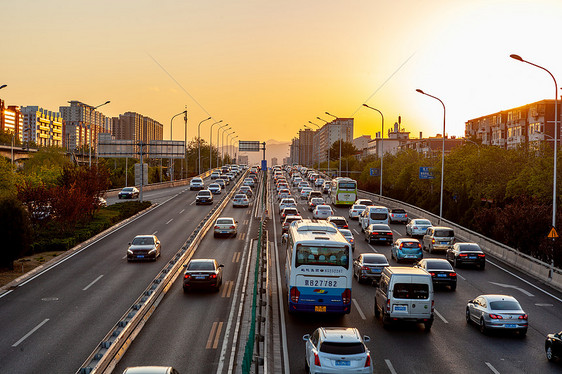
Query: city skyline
{"x":276,"y":66}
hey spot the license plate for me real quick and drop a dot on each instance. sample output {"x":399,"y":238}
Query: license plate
{"x":400,"y":308}
{"x":343,"y":363}
{"x":441,"y":275}
{"x":472,"y":257}
{"x":199,"y":277}
{"x":320,"y":308}
{"x":224,"y":232}
{"x":140,"y":256}
{"x":444,"y":242}
{"x":511,"y":326}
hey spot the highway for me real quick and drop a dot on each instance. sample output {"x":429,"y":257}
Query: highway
{"x":452,"y":346}
{"x":54,"y":320}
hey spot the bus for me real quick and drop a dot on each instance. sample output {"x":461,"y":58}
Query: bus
{"x":318,"y":269}
{"x":343,"y":191}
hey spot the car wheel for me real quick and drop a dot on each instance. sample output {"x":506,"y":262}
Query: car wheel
{"x":467,"y":316}
{"x":215,"y":235}
{"x":185,"y":290}
{"x":427,"y":326}
{"x":377,"y":311}
{"x":306,"y":367}
{"x":455,"y":261}
{"x":549,"y":354}
{"x":483,"y":266}
{"x":483,"y":328}
{"x":453,"y":286}
{"x":429,"y":249}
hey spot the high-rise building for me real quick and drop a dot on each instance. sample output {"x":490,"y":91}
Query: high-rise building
{"x":134,"y":126}
{"x":83,"y":123}
{"x":11,"y":120}
{"x":331,"y":132}
{"x":306,"y":140}
{"x":43,"y":127}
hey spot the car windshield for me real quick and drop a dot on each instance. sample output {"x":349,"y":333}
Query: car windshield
{"x":325,"y":256}
{"x":505,"y":305}
{"x":469,"y":247}
{"x":438,"y":265}
{"x":322,"y":207}
{"x":338,"y":348}
{"x":204,"y":193}
{"x":143,"y":241}
{"x":422,"y":222}
{"x":411,"y":291}
{"x":399,"y":211}
{"x":444,"y":233}
{"x":240,"y":196}
{"x":201,"y":265}
{"x":380,"y":228}
{"x":374,"y":260}
{"x":225,"y":221}
{"x":410,"y":244}
{"x":127,"y":189}
{"x":359,"y":207}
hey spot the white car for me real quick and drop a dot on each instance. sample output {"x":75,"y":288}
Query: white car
{"x":337,"y":350}
{"x":286,"y":203}
{"x":319,"y":182}
{"x":305,"y":192}
{"x":248,"y":182}
{"x":215,"y":188}
{"x":240,"y":200}
{"x":322,"y":212}
{"x":215,"y":175}
{"x":196,"y":184}
{"x":226,"y":226}
{"x":418,"y":227}
{"x":356,"y":210}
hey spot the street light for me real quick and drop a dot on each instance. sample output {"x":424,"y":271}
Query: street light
{"x":382,"y":146}
{"x":232,"y":144}
{"x":199,"y":145}
{"x":218,"y":142}
{"x":171,"y":123}
{"x":228,"y":134}
{"x":442,"y":154}
{"x":222,"y":153}
{"x":518,"y":58}
{"x":2,"y":86}
{"x":340,"y":138}
{"x":313,"y":124}
{"x":90,"y":128}
{"x":211,"y":144}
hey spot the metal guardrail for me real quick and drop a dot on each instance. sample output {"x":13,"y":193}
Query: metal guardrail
{"x":116,"y":342}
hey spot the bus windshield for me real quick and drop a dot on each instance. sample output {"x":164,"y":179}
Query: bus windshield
{"x":326,"y":256}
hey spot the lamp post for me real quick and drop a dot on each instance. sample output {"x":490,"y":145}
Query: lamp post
{"x":211,"y":143}
{"x":225,"y":151}
{"x":382,"y":147}
{"x":233,"y":154}
{"x":199,"y":145}
{"x":90,"y":128}
{"x":329,"y":145}
{"x":2,"y":86}
{"x":218,"y":142}
{"x":222,"y":152}
{"x":171,"y":123}
{"x":442,"y":154}
{"x":339,"y":137}
{"x":518,"y":58}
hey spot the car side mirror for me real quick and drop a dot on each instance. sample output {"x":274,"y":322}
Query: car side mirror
{"x":185,"y":266}
{"x":129,"y":243}
{"x":366,"y":339}
{"x":221,"y":266}
{"x":306,"y":337}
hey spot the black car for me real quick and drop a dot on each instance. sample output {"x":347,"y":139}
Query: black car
{"x":466,"y":254}
{"x":204,"y":197}
{"x":442,"y":273}
{"x":553,"y":346}
{"x":202,"y":273}
{"x":128,"y":193}
{"x":144,"y":247}
{"x":369,"y":266}
{"x":379,"y":233}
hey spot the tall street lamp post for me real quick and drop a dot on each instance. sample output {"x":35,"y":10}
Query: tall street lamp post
{"x":211,"y":143}
{"x":222,"y":151}
{"x":329,"y":145}
{"x":171,"y":123}
{"x":382,"y":147}
{"x":518,"y":58}
{"x":442,"y":154}
{"x":339,"y":137}
{"x":233,"y":156}
{"x":199,"y":145}
{"x":219,"y":142}
{"x":225,"y":151}
{"x":2,"y":86}
{"x":90,"y":128}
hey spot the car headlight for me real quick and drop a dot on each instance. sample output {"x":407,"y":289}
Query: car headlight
{"x":152,"y":250}
{"x":129,"y":252}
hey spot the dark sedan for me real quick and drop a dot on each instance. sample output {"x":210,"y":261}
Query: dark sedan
{"x":202,"y":273}
{"x":553,"y":346}
{"x":442,"y":273}
{"x":379,"y":233}
{"x":128,"y":193}
{"x":368,"y":267}
{"x":144,"y":247}
{"x":466,"y":254}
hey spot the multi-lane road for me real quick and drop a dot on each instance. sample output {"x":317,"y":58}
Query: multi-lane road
{"x":452,"y":346}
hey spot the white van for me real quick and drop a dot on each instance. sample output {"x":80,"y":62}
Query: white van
{"x":373,"y":215}
{"x":405,"y":294}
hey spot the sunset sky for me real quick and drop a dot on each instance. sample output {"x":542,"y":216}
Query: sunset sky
{"x":269,"y":67}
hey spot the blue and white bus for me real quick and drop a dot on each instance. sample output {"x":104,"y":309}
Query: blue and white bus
{"x":318,"y":270}
{"x":343,"y":191}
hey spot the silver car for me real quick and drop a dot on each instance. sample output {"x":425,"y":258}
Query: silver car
{"x":240,"y":200}
{"x":226,"y":226}
{"x":497,"y":312}
{"x":417,"y":227}
{"x":322,"y":212}
{"x":356,"y":210}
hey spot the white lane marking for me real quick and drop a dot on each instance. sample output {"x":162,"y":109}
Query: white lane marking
{"x":460,"y":276}
{"x":521,"y":279}
{"x":124,"y":257}
{"x":193,"y":202}
{"x":31,"y":332}
{"x":181,"y":211}
{"x":544,"y":304}
{"x":390,"y":367}
{"x":359,"y":309}
{"x":492,"y":368}
{"x":440,"y":316}
{"x":397,"y":233}
{"x":169,"y":221}
{"x":154,"y":233}
{"x":91,"y":284}
{"x":357,"y":232}
{"x":514,"y":287}
{"x":373,"y":248}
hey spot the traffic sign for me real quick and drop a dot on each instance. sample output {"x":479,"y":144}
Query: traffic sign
{"x":375,"y":172}
{"x":553,"y":234}
{"x":426,"y":172}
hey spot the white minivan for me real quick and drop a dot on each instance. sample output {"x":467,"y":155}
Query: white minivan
{"x":405,"y":294}
{"x":373,"y":214}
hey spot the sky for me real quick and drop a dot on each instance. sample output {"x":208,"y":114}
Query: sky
{"x":268,"y":67}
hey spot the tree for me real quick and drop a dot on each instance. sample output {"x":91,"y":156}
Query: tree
{"x":15,"y":230}
{"x":347,"y":149}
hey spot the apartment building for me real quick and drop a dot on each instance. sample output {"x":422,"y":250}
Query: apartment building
{"x":11,"y":120}
{"x":43,"y":127}
{"x":397,"y":138}
{"x":135,"y":126}
{"x":331,"y":132}
{"x":527,"y":125}
{"x":83,"y":123}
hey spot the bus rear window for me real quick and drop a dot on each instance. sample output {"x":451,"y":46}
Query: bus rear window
{"x":325,"y":256}
{"x":411,"y":291}
{"x":347,"y":186}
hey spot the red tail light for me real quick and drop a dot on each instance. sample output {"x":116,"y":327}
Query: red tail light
{"x":217,"y":227}
{"x":368,"y":361}
{"x":524,"y":316}
{"x":374,"y":233}
{"x":481,"y":255}
{"x":463,"y":255}
{"x":345,"y":226}
{"x":316,"y":359}
{"x":432,"y":305}
{"x":419,"y":245}
{"x":415,"y":227}
{"x":495,"y":316}
{"x":232,"y":227}
{"x":346,"y":296}
{"x":295,"y":294}
{"x":432,"y":241}
{"x":187,"y":276}
{"x":432,"y":274}
{"x":388,"y":304}
{"x":364,"y":268}
{"x":213,"y":276}
{"x":452,"y":274}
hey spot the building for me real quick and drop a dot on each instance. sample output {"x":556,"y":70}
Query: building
{"x":527,"y":125}
{"x":11,"y":120}
{"x":274,"y":161}
{"x":43,"y":127}
{"x":331,"y":132}
{"x":397,"y":139}
{"x":431,"y":146}
{"x":362,"y":143}
{"x":243,"y":160}
{"x":83,"y":123}
{"x":135,"y":126}
{"x":294,"y":151}
{"x":306,"y":140}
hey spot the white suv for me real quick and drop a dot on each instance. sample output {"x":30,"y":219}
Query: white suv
{"x":196,"y":184}
{"x":337,"y":350}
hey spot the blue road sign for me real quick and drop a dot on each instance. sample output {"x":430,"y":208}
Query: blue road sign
{"x":375,"y":172}
{"x":426,"y":172}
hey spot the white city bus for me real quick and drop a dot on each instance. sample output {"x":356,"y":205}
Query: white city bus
{"x":318,"y":270}
{"x":343,"y":191}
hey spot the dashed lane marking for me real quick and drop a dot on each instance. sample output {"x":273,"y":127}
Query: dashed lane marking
{"x":440,"y":316}
{"x":92,"y":283}
{"x":31,"y":332}
{"x":359,"y":309}
{"x":390,"y":367}
{"x":169,"y":221}
{"x":492,"y":368}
